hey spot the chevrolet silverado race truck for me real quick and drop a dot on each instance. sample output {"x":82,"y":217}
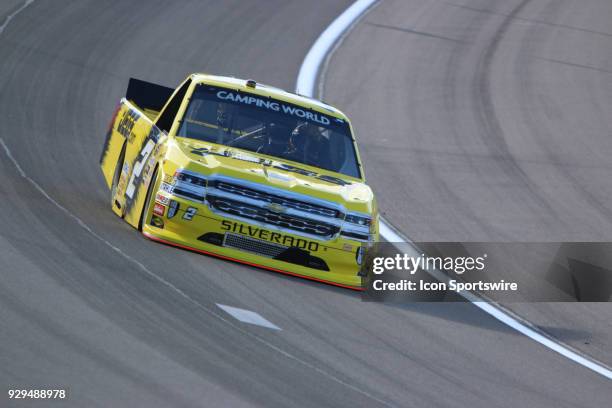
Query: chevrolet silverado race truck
{"x":242,"y":171}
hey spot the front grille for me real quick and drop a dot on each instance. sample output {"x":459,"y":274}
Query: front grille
{"x":253,"y":245}
{"x":264,"y":215}
{"x":273,"y":198}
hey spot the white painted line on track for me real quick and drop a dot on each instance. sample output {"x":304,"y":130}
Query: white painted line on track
{"x":306,"y":85}
{"x":8,"y":18}
{"x":311,"y":65}
{"x":524,"y":327}
{"x":247,"y":316}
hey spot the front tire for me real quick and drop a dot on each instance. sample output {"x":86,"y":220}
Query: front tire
{"x":146,"y":208}
{"x":116,"y":177}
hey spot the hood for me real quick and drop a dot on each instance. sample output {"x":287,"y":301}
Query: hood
{"x":212,"y":159}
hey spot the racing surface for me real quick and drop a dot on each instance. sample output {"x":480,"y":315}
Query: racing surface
{"x":496,"y":114}
{"x":88,"y":304}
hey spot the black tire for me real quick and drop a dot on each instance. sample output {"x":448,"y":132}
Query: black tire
{"x":117,"y":175}
{"x":147,"y":203}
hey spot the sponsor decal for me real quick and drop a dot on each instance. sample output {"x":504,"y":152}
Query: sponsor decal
{"x":162,"y":199}
{"x":273,"y":105}
{"x":123,"y":178}
{"x":126,"y":124}
{"x":173,"y":207}
{"x":138,"y":176}
{"x":159,"y":209}
{"x":279,"y":176}
{"x":246,"y":157}
{"x":168,"y":188}
{"x":157,"y":222}
{"x":263,"y":234}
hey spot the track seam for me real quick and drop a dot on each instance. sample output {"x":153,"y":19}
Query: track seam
{"x":314,"y":67}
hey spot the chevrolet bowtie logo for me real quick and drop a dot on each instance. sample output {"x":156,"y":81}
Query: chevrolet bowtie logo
{"x":277,"y":208}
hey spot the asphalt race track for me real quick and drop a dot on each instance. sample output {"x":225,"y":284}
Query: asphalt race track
{"x":88,"y":304}
{"x":497,"y":116}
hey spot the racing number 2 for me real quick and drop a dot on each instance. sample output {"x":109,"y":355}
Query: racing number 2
{"x":144,"y":155}
{"x":189,"y":213}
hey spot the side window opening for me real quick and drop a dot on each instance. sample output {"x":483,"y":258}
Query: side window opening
{"x":166,"y":119}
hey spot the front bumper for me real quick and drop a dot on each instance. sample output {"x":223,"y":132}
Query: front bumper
{"x":194,"y":226}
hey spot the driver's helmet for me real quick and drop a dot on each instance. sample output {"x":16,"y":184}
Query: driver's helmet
{"x":304,"y":135}
{"x":310,"y":145}
{"x":279,"y":137}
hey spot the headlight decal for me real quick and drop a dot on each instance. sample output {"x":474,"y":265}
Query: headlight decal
{"x":189,"y":185}
{"x":358,"y":219}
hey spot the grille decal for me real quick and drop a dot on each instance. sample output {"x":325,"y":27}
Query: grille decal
{"x":264,"y":215}
{"x":300,"y":205}
{"x":255,"y":246}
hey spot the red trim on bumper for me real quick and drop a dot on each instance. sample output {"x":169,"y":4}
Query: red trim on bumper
{"x":163,"y":241}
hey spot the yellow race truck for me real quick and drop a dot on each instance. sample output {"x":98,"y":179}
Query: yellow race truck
{"x":242,"y":171}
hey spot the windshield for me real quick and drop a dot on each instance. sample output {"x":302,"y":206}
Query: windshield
{"x":269,"y":126}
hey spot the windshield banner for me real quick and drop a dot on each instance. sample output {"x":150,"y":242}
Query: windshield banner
{"x":273,"y":105}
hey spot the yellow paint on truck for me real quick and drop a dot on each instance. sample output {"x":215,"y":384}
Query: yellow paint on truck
{"x":145,"y":163}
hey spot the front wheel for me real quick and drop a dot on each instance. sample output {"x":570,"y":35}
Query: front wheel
{"x":145,"y":216}
{"x":116,"y":177}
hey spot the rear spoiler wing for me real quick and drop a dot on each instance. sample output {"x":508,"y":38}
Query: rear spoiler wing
{"x":147,"y":95}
